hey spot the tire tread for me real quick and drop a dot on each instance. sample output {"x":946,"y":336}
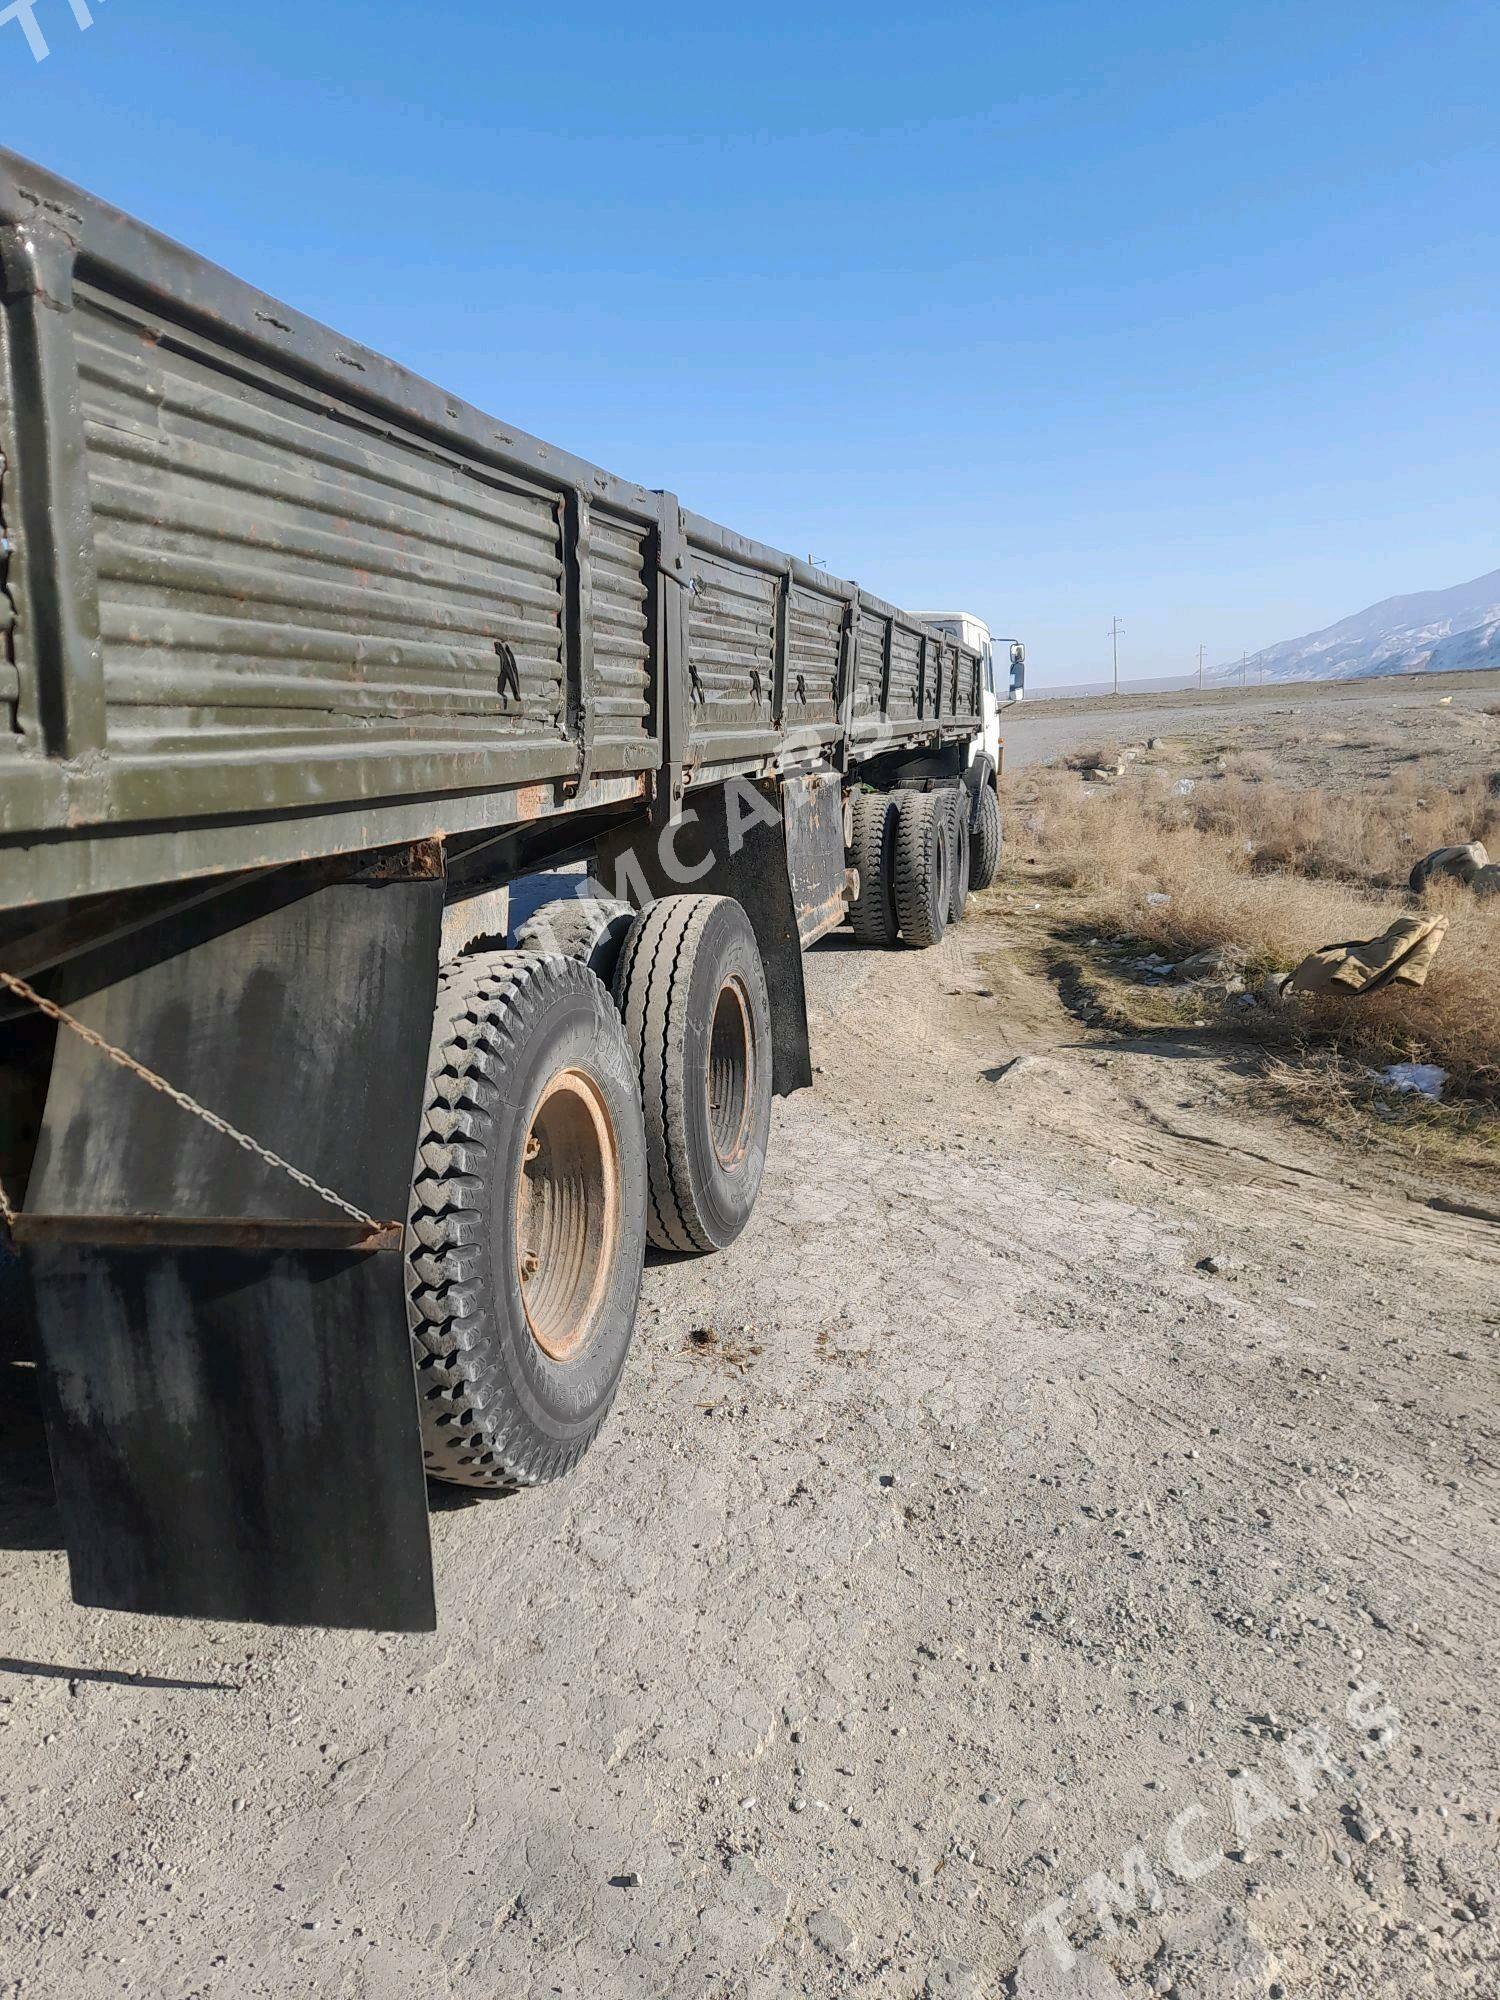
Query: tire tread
{"x":984,"y":853}
{"x":589,"y":928}
{"x":652,"y":983}
{"x":485,"y":1006}
{"x":872,"y":850}
{"x":960,"y":855}
{"x":919,"y":836}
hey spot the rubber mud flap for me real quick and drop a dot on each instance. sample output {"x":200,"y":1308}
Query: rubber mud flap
{"x":225,"y":1364}
{"x":221,"y":1451}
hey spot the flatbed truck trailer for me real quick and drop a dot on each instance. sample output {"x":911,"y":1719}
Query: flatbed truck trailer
{"x":322,"y":1176}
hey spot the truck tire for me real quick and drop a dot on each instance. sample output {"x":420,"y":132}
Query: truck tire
{"x":691,"y":990}
{"x":527,"y":1232}
{"x":959,"y":855}
{"x":984,"y":854}
{"x":872,"y":851}
{"x":591,"y":929}
{"x":922,"y":850}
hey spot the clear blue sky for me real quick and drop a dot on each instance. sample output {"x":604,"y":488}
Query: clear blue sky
{"x":1060,"y":311}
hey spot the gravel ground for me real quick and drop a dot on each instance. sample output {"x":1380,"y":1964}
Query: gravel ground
{"x":1412,"y":706}
{"x":957,"y":1533}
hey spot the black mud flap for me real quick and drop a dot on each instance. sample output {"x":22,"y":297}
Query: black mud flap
{"x":226,"y":1365}
{"x":234,"y":1435}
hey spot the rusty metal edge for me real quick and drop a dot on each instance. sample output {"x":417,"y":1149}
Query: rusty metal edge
{"x":205,"y":1232}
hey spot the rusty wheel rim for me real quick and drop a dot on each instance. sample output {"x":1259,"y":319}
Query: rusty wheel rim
{"x":567,"y":1214}
{"x":731,"y":1074}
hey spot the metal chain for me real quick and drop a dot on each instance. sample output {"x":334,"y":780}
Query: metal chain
{"x":66,"y":1020}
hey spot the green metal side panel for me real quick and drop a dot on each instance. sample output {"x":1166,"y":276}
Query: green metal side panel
{"x":264,"y":593}
{"x":275,"y":579}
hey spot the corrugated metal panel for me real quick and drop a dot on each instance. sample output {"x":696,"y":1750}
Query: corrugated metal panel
{"x":869,"y":670}
{"x":906,"y":672}
{"x":956,"y":686}
{"x":269,"y":573}
{"x":961,"y":684}
{"x":619,"y":555}
{"x":731,"y":647}
{"x":815,"y":630}
{"x":334,"y":597}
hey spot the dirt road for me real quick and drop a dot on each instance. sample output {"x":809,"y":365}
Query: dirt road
{"x":1037,"y":732}
{"x":956,"y":1533}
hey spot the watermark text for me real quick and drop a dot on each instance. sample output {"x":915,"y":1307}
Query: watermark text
{"x":25,"y":15}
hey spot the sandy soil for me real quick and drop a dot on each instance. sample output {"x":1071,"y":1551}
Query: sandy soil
{"x":1343,"y":714}
{"x":956,"y":1533}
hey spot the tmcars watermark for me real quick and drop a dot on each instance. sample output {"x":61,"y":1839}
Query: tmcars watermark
{"x":1187,"y":1852}
{"x":24,"y":14}
{"x":747,"y":803}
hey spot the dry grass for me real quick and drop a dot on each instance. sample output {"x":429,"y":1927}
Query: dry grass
{"x":1321,"y":1089}
{"x":1094,"y":757}
{"x":1369,"y":837}
{"x":1277,"y":873}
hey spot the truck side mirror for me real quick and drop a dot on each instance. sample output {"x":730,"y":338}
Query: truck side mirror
{"x":1017,"y":669}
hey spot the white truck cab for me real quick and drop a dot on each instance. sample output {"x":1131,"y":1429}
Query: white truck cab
{"x":972,"y":631}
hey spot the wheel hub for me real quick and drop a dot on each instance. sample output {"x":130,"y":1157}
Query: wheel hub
{"x":731,"y":1074}
{"x":567,"y":1214}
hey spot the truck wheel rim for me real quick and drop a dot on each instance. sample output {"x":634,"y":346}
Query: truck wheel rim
{"x":731,"y":1074}
{"x":567,"y":1213}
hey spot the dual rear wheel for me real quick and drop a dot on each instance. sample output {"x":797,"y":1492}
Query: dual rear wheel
{"x":917,"y":855}
{"x":565,"y":1123}
{"x":691,"y":992}
{"x":607,"y":1084}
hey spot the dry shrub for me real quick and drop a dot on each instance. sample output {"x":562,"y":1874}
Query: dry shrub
{"x":1319,"y":1087}
{"x":1254,"y":767}
{"x":1095,"y":756}
{"x":1212,"y":862}
{"x":1454,"y":1020}
{"x":1371,"y":836}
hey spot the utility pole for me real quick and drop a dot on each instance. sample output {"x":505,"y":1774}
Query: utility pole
{"x":1245,"y":669}
{"x":1201,"y":651}
{"x":1114,"y":637}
